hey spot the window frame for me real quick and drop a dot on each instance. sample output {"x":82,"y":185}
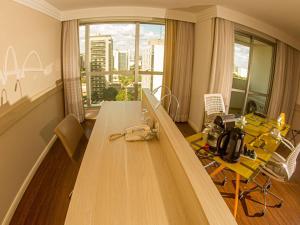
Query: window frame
{"x":136,"y":72}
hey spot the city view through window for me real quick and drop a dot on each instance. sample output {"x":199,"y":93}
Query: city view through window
{"x":118,"y":59}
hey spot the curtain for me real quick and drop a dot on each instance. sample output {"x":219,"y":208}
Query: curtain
{"x":71,"y":69}
{"x":285,"y":82}
{"x":178,"y":69}
{"x":221,"y":74}
{"x":171,"y":28}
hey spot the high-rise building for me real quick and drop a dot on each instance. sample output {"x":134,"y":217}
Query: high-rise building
{"x":153,"y":61}
{"x":101,"y":53}
{"x":146,"y":58}
{"x":157,"y":63}
{"x":101,"y":59}
{"x":116,"y":60}
{"x":153,"y":56}
{"x":123,"y":61}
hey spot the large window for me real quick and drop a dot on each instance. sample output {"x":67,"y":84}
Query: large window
{"x":118,"y":59}
{"x":253,"y":72}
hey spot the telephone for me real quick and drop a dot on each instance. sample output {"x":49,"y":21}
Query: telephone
{"x":141,"y":132}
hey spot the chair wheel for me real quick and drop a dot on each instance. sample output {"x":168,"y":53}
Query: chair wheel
{"x":224,"y":182}
{"x":259,"y":214}
{"x":279,"y":205}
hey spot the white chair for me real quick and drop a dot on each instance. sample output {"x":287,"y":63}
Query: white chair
{"x":213,"y":106}
{"x":171,"y":98}
{"x":278,"y":168}
{"x":177,"y":105}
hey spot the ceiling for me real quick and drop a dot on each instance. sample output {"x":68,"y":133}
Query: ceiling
{"x":284,"y":15}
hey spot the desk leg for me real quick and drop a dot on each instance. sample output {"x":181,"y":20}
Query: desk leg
{"x":217,"y":171}
{"x":237,"y":190}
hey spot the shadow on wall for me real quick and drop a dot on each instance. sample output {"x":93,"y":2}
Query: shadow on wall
{"x":11,"y":113}
{"x":47,"y":131}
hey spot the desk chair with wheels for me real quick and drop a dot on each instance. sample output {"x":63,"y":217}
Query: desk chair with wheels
{"x":71,"y":135}
{"x":278,"y":168}
{"x":213,"y":106}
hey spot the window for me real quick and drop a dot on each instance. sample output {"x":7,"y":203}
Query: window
{"x":252,"y":76}
{"x":118,"y":59}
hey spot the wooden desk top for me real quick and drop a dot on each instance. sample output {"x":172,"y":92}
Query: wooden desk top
{"x":118,"y":182}
{"x":138,"y":183}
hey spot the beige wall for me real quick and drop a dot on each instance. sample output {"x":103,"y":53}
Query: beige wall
{"x":201,"y":72}
{"x":23,"y":143}
{"x":26,"y":30}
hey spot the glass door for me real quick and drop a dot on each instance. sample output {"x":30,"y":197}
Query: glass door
{"x":261,"y":76}
{"x":241,"y":73}
{"x":252,"y":77}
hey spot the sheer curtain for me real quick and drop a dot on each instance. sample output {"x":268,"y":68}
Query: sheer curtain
{"x":179,"y":65}
{"x":222,"y":59}
{"x":285,"y":83}
{"x":71,"y":69}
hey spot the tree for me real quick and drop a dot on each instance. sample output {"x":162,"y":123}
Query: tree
{"x":110,"y":94}
{"x":124,"y":95}
{"x":95,"y":97}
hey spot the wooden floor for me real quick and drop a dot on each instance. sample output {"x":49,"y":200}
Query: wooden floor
{"x":46,"y":200}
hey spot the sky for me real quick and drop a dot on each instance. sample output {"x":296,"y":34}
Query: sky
{"x":241,"y":58}
{"x":124,"y":34}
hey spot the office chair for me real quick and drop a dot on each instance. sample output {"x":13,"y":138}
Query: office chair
{"x":177,"y":105}
{"x":278,"y":168}
{"x":171,"y":97}
{"x":70,"y":133}
{"x":168,"y":94}
{"x":213,"y":106}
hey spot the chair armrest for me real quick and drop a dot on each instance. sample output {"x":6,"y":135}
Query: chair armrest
{"x":276,"y":170}
{"x":277,"y":157}
{"x":288,"y":144}
{"x":270,"y":173}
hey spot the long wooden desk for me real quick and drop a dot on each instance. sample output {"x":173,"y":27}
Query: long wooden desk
{"x":139,"y":183}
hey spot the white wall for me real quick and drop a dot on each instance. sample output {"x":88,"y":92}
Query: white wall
{"x":201,"y":71}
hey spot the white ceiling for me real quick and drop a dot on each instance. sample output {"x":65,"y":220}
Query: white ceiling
{"x":283,"y":14}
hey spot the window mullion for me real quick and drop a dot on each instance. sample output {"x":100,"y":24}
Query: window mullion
{"x":88,"y":64}
{"x":136,"y":59}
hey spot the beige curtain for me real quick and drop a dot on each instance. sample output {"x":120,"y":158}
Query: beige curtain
{"x":183,"y":69}
{"x":71,"y":69}
{"x":285,"y":83}
{"x":171,"y":29}
{"x":222,"y":59}
{"x":178,"y":69}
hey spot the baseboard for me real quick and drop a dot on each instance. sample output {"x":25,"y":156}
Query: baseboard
{"x":26,"y":182}
{"x":194,"y":126}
